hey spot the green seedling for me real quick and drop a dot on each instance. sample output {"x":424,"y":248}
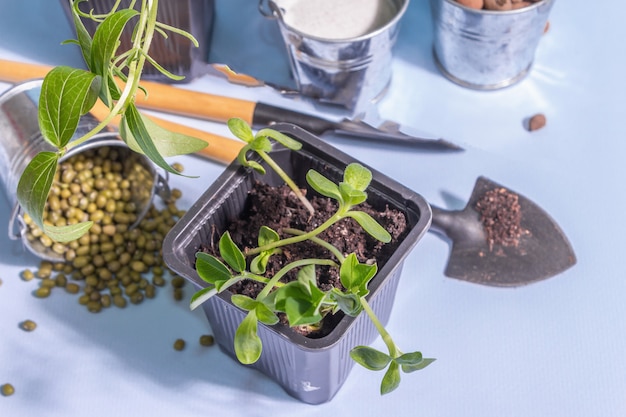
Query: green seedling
{"x":301,"y":300}
{"x":68,"y":93}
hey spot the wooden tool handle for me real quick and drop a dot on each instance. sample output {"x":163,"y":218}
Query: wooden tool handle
{"x":161,"y":97}
{"x":16,"y":72}
{"x":220,"y":149}
{"x":165,"y":98}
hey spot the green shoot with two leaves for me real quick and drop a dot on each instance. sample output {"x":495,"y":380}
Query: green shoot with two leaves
{"x":301,"y":300}
{"x":69,"y":93}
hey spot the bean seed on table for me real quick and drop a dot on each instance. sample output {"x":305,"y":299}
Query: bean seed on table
{"x":28,"y":325}
{"x":179,"y":344}
{"x":7,"y":390}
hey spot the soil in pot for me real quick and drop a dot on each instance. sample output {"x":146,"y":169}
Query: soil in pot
{"x":278,"y":208}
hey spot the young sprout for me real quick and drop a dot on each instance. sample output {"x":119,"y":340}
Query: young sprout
{"x":261,"y":144}
{"x":303,"y":303}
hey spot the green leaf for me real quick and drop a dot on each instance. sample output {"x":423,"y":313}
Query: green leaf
{"x":370,"y":358}
{"x":323,"y":185}
{"x":370,"y":225}
{"x":244,"y":302}
{"x":163,"y":70}
{"x":67,"y":233}
{"x":106,"y":40}
{"x":241,"y":129}
{"x":132,"y":124}
{"x":84,"y":38}
{"x":267,"y":236}
{"x":258,"y":265}
{"x":351,"y":196}
{"x":248,"y":345}
{"x":281,"y":138}
{"x":301,"y":302}
{"x":241,"y":157}
{"x":222,"y":285}
{"x":167,"y":143}
{"x":307,"y":276}
{"x":391,"y":380}
{"x":265,"y":314}
{"x":357,"y":176}
{"x":201,"y":296}
{"x":66,"y":94}
{"x":409,"y":358}
{"x":355,"y":276}
{"x":104,"y":46}
{"x":261,"y":143}
{"x":231,"y":253}
{"x":348,"y":303}
{"x":412,"y":367}
{"x":211,"y":269}
{"x":34,"y":185}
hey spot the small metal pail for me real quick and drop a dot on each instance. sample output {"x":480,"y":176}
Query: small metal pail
{"x":349,"y":69}
{"x":486,"y":49}
{"x":21,"y":140}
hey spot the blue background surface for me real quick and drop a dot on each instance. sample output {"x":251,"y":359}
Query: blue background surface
{"x":553,"y":348}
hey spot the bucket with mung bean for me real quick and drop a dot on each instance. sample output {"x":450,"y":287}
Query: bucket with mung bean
{"x":103,"y":181}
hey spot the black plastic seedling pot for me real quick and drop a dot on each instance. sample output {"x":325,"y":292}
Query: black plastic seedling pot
{"x":311,"y":370}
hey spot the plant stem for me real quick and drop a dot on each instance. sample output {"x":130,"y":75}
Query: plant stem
{"x":391,"y":346}
{"x":295,"y":239}
{"x":287,"y":180}
{"x":143,"y":38}
{"x":332,"y":249}
{"x":302,"y":262}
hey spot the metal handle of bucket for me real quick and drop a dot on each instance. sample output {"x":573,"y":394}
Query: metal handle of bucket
{"x":271,"y":10}
{"x":16,"y":228}
{"x":162,"y":188}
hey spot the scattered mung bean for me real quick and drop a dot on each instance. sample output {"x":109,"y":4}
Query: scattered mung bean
{"x":7,"y":390}
{"x":27,"y":275}
{"x":179,"y":344}
{"x":42,"y":292}
{"x":207,"y":340}
{"x":28,"y":325}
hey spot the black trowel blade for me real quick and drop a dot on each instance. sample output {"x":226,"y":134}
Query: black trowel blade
{"x":543,"y":250}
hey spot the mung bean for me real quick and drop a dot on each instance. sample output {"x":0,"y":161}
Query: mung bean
{"x":7,"y":390}
{"x":27,"y":275}
{"x":42,"y":292}
{"x":179,"y":344}
{"x":28,"y":325}
{"x":207,"y":340}
{"x":112,"y":257}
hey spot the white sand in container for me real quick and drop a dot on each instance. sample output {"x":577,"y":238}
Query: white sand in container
{"x":336,"y":19}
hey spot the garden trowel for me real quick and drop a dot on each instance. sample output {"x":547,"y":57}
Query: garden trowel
{"x":543,"y":249}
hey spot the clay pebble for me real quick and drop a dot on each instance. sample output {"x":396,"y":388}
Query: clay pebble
{"x":536,"y":122}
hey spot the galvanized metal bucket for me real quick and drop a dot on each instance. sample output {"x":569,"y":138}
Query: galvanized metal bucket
{"x":485,"y":49}
{"x":21,"y":140}
{"x":348,"y":71}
